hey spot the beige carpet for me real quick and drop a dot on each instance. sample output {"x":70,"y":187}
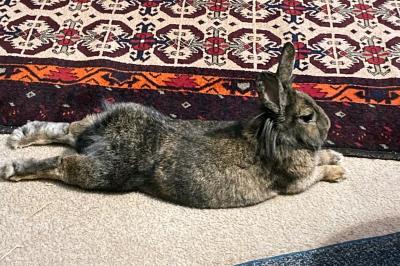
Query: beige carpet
{"x":44,"y":223}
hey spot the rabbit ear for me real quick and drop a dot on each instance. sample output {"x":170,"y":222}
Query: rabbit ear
{"x":271,"y":92}
{"x":285,"y":68}
{"x":271,"y":87}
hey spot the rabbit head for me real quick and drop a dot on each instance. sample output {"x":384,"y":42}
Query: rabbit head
{"x":290,"y":118}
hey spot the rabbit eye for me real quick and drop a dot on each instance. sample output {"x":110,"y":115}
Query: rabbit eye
{"x":307,"y":118}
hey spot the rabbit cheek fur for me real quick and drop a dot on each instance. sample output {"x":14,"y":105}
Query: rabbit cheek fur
{"x":311,"y":134}
{"x":194,"y":163}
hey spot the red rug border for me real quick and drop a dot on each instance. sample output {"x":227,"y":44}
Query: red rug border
{"x":245,"y":73}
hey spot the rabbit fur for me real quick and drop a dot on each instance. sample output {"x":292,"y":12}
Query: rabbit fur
{"x":202,"y":164}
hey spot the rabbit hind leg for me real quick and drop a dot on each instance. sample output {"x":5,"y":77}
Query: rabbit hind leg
{"x":78,"y":170}
{"x":42,"y":133}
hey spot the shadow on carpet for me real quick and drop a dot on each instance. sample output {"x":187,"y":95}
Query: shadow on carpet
{"x":381,"y":250}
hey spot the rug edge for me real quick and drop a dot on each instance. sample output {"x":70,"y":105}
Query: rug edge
{"x":368,"y":154}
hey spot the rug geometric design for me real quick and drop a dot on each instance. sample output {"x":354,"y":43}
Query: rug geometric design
{"x":204,"y":54}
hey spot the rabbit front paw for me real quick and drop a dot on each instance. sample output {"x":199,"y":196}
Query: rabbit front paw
{"x":336,"y":157}
{"x":334,"y":173}
{"x":330,"y":157}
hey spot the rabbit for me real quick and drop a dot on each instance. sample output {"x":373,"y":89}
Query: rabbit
{"x":199,"y":164}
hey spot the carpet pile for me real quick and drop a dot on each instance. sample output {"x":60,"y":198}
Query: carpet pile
{"x":47,"y":223}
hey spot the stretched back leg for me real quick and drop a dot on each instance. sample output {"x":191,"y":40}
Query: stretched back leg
{"x":41,"y":133}
{"x":78,"y":170}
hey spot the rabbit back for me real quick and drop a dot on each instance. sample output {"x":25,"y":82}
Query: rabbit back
{"x":194,"y":163}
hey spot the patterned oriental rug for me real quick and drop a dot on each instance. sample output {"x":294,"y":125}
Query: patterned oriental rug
{"x":59,"y":59}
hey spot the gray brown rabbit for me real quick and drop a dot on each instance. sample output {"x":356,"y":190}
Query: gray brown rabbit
{"x":130,"y":147}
